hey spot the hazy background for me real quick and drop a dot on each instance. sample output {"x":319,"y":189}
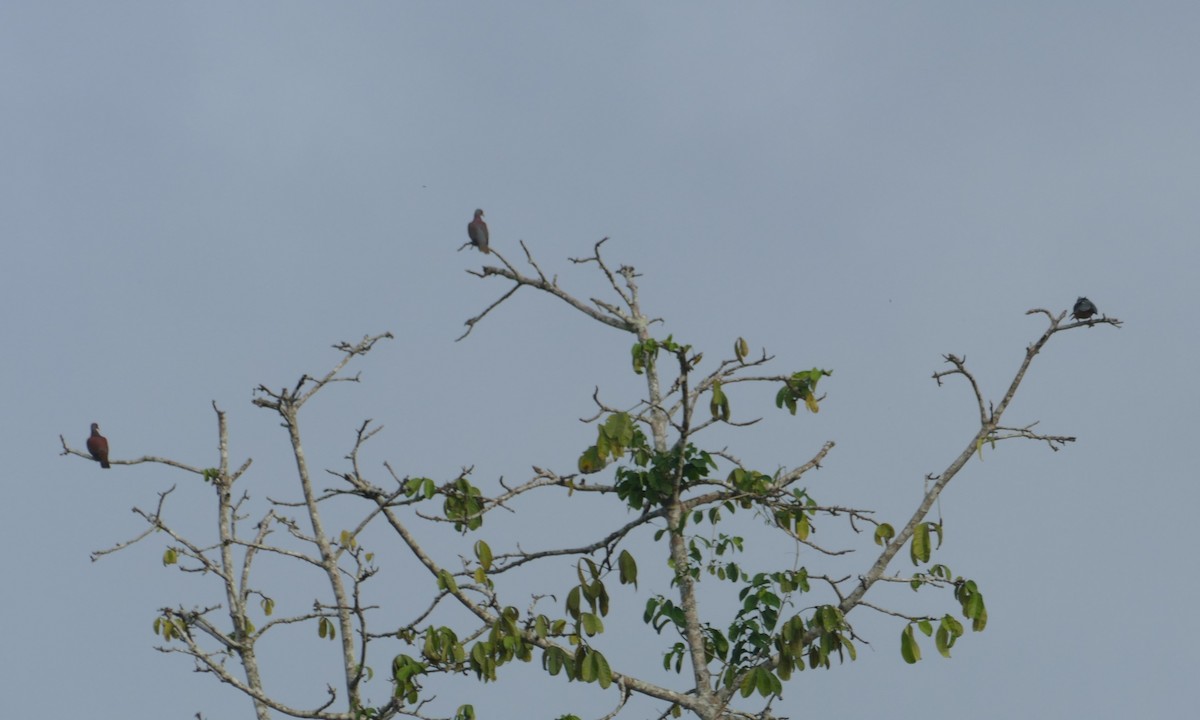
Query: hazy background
{"x":198,"y":198}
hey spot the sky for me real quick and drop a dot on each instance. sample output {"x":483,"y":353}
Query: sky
{"x":198,"y":198}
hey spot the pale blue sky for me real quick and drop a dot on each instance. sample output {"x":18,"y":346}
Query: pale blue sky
{"x":200,"y":197}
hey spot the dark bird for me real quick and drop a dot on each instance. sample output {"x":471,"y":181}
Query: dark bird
{"x":477,"y":231}
{"x":97,"y":445}
{"x":1084,"y":309}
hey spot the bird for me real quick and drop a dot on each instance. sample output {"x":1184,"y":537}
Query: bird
{"x":1084,"y":309}
{"x":478,"y":232}
{"x":97,"y":445}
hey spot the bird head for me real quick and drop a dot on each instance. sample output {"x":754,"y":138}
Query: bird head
{"x":95,"y":427}
{"x":478,"y":214}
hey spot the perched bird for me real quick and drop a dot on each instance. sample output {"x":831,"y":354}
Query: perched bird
{"x":1084,"y":309}
{"x":477,"y":231}
{"x":97,"y":445}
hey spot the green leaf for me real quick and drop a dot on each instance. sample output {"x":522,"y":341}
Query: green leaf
{"x":603,"y":671}
{"x":719,"y":404}
{"x":573,"y":602}
{"x":590,"y":461}
{"x":741,"y":349}
{"x":325,"y":629}
{"x":651,"y":610}
{"x":619,"y":429}
{"x":592,"y":624}
{"x":445,"y":581}
{"x":974,"y":605}
{"x":829,"y":618}
{"x":801,"y":386}
{"x":909,"y":650}
{"x":465,"y":712}
{"x":552,"y":660}
{"x":170,"y":557}
{"x":784,"y":397}
{"x":764,"y":683}
{"x":976,"y":610}
{"x":587,"y":667}
{"x":628,"y":568}
{"x":412,"y":486}
{"x":925,"y":627}
{"x":919,"y":545}
{"x":644,"y":353}
{"x":484,"y":553}
{"x":943,"y":641}
{"x":749,"y":683}
{"x":884,"y":534}
{"x":733,"y":572}
{"x":603,"y":449}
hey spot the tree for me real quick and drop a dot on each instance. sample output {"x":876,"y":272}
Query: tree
{"x":733,"y":626}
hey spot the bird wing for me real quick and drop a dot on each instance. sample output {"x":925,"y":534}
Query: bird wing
{"x":97,"y":445}
{"x":478,"y":232}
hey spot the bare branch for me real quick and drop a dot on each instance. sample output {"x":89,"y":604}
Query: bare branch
{"x":162,"y":498}
{"x":624,"y":690}
{"x":787,"y":478}
{"x":960,"y":368}
{"x":616,"y":319}
{"x":470,"y":323}
{"x":68,"y":450}
{"x":893,"y":613}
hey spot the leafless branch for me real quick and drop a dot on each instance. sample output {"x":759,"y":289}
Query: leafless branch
{"x":960,"y":368}
{"x":68,"y":450}
{"x":618,"y":320}
{"x":162,"y":498}
{"x":470,"y":323}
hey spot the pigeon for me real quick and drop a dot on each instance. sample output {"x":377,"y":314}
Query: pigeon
{"x":97,"y":445}
{"x":478,"y":232}
{"x":1084,"y":309}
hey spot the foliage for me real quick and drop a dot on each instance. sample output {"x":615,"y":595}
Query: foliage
{"x":684,"y":499}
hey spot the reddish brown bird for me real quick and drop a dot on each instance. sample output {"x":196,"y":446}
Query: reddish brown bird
{"x":477,"y":231}
{"x":97,"y":445}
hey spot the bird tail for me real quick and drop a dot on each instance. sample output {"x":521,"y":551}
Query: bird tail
{"x":105,"y":465}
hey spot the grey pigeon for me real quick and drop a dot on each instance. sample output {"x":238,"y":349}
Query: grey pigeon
{"x":478,"y":232}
